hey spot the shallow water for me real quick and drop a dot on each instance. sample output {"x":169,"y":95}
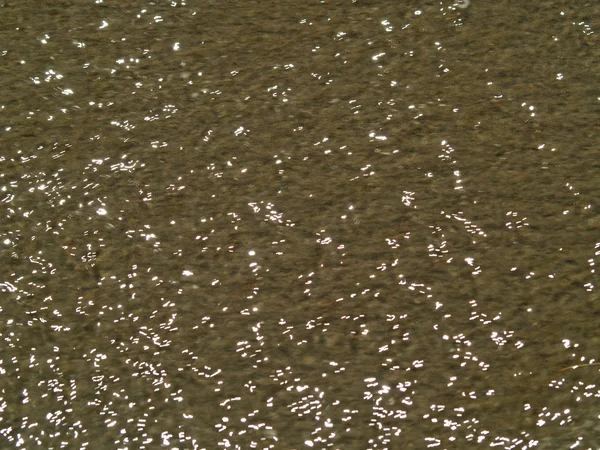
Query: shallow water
{"x":284,"y":225}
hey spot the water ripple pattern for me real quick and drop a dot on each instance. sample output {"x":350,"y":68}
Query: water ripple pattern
{"x":296,"y":225}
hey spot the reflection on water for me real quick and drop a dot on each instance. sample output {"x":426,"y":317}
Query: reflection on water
{"x":341,"y":225}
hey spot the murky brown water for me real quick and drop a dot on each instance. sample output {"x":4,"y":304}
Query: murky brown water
{"x":299,"y":224}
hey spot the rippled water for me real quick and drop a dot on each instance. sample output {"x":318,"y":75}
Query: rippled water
{"x":299,"y":224}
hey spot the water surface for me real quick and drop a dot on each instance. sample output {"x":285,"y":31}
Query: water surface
{"x":299,"y":224}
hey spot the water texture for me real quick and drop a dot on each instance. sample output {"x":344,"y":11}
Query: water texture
{"x":299,"y":224}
